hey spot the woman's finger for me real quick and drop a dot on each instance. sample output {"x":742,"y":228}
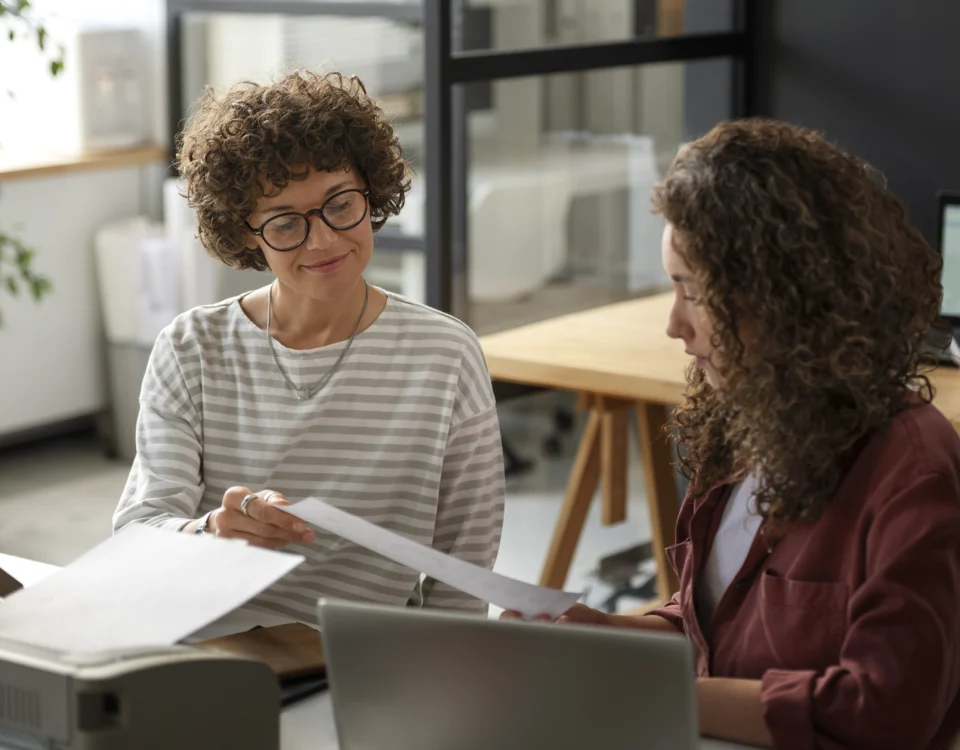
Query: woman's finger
{"x":254,"y":539}
{"x":231,"y":521}
{"x":284,"y":525}
{"x":278,"y":500}
{"x":268,"y":513}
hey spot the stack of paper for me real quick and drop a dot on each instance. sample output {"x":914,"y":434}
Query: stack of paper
{"x":141,"y":588}
{"x":147,"y":588}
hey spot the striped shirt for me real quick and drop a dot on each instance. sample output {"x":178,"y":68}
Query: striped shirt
{"x":404,"y":435}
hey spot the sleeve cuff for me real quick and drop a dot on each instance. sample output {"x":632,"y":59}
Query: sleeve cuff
{"x":167,"y":523}
{"x":786,"y":696}
{"x":671,"y":613}
{"x":173,"y":524}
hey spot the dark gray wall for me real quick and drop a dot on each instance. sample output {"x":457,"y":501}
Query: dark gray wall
{"x":879,"y":77}
{"x":708,"y":84}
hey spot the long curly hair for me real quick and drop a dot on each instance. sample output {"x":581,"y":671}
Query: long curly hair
{"x":804,"y":247}
{"x":272,"y":134}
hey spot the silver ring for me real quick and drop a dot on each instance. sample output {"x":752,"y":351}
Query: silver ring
{"x":245,"y":502}
{"x":271,"y":493}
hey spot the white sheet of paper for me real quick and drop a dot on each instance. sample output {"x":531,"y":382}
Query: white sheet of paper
{"x":493,"y":588}
{"x":142,"y":587}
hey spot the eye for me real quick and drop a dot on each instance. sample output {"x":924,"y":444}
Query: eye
{"x":284,"y":227}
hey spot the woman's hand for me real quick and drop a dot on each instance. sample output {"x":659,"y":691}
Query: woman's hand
{"x":263,"y":524}
{"x":579,"y":614}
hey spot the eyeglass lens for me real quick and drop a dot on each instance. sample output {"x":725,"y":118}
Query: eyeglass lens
{"x":342,"y":211}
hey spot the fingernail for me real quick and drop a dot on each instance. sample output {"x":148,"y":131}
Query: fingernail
{"x":307,"y":536}
{"x":300,"y":528}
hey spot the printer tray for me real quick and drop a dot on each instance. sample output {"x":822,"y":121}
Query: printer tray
{"x":292,"y":651}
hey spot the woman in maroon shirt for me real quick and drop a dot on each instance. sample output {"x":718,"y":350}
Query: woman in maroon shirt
{"x":819,"y":545}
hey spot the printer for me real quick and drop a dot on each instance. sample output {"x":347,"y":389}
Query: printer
{"x":174,"y":698}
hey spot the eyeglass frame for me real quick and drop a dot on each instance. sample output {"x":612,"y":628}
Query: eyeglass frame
{"x":258,"y":231}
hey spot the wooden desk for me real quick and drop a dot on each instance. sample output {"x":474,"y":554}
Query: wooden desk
{"x":307,"y":725}
{"x":618,"y":357}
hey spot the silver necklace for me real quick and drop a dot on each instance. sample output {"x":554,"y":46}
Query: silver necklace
{"x":305,"y":392}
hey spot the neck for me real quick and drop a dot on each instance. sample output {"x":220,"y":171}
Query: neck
{"x":298,"y":321}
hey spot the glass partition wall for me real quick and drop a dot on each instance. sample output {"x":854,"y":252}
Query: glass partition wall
{"x":535,"y":128}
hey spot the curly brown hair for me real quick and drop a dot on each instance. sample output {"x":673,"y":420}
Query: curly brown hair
{"x":804,"y":246}
{"x":275,"y":133}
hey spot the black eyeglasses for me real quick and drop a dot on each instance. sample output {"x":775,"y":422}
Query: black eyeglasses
{"x":341,"y":211}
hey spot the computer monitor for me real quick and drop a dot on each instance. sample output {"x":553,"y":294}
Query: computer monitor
{"x":949,"y":242}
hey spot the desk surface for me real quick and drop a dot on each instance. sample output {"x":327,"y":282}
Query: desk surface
{"x":617,"y":350}
{"x":308,"y":725}
{"x":622,"y":350}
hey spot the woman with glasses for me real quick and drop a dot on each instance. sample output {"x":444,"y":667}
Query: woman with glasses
{"x":318,"y":384}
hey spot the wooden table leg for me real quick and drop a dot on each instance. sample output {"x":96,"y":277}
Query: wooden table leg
{"x":662,"y":499}
{"x":580,"y":489}
{"x":614,"y":442}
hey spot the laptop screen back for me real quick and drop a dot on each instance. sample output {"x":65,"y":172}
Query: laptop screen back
{"x":950,"y":250}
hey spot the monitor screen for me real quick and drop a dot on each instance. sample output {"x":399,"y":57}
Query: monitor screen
{"x":950,"y":248}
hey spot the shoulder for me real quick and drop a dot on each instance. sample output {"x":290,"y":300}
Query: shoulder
{"x":199,"y":334}
{"x":425,"y":330}
{"x":922,"y":440}
{"x":419,"y":322}
{"x":202,"y":326}
{"x":916,"y":455}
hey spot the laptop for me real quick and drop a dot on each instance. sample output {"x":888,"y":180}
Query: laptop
{"x":417,"y":679}
{"x":948,"y":241}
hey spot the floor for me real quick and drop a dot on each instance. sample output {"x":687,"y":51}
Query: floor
{"x":59,"y":495}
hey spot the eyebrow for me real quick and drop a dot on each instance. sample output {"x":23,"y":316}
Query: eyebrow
{"x":330,"y":191}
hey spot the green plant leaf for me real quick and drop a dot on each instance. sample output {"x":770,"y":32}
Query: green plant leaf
{"x":41,"y":38}
{"x":11,"y":35}
{"x":13,"y":286}
{"x":25,"y":256}
{"x":23,"y":5}
{"x":39,"y":287}
{"x":56,"y":67}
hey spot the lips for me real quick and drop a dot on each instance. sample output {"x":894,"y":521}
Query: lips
{"x":327,"y":266}
{"x":319,"y":265}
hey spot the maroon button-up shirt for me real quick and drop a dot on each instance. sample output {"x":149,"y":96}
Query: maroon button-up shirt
{"x":853,"y":622}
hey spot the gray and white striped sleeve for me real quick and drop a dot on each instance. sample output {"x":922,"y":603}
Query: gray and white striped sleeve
{"x":165,"y":484}
{"x":470,"y":506}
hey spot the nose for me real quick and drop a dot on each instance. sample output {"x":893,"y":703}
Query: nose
{"x":320,"y":236}
{"x":678,"y":326}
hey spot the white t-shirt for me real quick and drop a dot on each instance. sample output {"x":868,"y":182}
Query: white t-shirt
{"x":735,"y":536}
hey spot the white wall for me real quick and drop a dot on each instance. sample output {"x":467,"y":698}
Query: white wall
{"x":51,"y":353}
{"x":32,"y":84}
